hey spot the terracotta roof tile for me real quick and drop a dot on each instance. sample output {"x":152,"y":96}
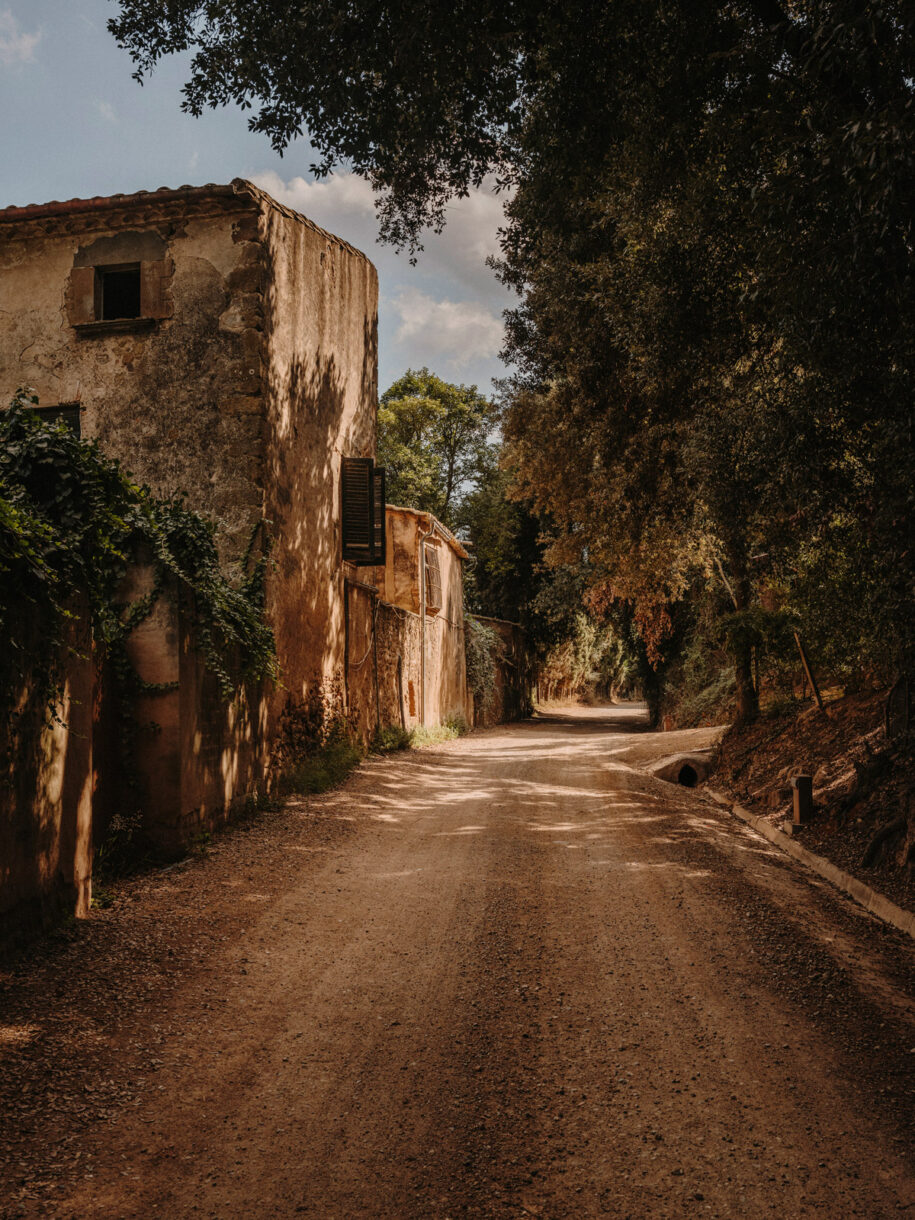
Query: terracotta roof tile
{"x":238,"y":188}
{"x":99,"y":203}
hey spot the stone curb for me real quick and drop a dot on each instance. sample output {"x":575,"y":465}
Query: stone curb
{"x":870,"y":899}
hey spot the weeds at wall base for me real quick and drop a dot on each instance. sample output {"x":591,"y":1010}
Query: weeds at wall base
{"x":448,"y":730}
{"x":324,"y":769}
{"x":390,"y":739}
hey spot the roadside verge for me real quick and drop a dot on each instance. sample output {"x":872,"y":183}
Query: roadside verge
{"x":872,"y":901}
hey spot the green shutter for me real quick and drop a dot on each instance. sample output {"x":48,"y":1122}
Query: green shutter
{"x":357,"y":505}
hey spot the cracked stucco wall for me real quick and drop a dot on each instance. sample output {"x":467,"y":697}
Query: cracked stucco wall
{"x":259,"y":374}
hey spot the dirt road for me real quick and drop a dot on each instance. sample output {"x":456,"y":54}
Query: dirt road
{"x":513,"y":976}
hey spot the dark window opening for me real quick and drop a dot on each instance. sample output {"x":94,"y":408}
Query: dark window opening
{"x":65,"y":413}
{"x":687,"y":777}
{"x":119,"y":293}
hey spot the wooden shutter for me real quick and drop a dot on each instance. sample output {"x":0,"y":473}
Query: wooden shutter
{"x":81,"y":296}
{"x":380,"y":523}
{"x":433,"y":578}
{"x":357,"y":504}
{"x":154,"y":278}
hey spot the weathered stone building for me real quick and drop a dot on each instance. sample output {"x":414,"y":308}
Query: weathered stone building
{"x":423,"y":575}
{"x":405,"y":653}
{"x":223,"y":347}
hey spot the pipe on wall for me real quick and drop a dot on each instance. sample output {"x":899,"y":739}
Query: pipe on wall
{"x":422,"y":619}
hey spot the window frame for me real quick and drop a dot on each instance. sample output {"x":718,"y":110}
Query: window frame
{"x":432,"y":577}
{"x":85,"y":290}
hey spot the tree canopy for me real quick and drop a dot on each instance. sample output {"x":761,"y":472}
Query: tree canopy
{"x":434,"y":441}
{"x":711,"y":232}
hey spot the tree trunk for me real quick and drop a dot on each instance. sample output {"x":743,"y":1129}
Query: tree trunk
{"x":747,"y":695}
{"x":747,"y":698}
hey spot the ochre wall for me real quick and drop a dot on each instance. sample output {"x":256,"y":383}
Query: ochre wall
{"x":259,"y":375}
{"x":178,"y":404}
{"x":321,"y":317}
{"x":447,"y":697}
{"x":46,"y":804}
{"x":398,"y":666}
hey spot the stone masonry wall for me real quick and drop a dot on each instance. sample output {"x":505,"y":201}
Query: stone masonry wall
{"x":398,"y":666}
{"x":178,"y":402}
{"x":46,"y":786}
{"x":514,"y":676}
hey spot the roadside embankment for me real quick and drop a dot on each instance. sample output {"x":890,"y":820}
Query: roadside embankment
{"x":862,"y":780}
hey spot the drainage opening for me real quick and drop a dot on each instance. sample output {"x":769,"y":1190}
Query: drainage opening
{"x":687,"y":777}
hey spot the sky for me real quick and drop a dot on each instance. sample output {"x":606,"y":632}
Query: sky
{"x":74,"y":123}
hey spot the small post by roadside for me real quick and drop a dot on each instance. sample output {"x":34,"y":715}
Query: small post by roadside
{"x":802,"y":794}
{"x":809,"y":672}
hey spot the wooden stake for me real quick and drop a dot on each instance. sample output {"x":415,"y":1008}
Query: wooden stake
{"x":809,"y":672}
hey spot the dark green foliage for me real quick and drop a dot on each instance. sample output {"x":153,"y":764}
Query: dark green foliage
{"x":434,"y":442}
{"x":326,"y":768}
{"x":506,"y":555}
{"x":71,"y":523}
{"x":483,"y":651}
{"x":416,"y":96}
{"x":390,"y":739}
{"x":713,"y":235}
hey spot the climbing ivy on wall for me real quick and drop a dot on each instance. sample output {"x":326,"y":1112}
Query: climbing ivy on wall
{"x":483,"y":650}
{"x":71,"y":523}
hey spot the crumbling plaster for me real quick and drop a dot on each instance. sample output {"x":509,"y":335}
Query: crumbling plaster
{"x":242,"y":394}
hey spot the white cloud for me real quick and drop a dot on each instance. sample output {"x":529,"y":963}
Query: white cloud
{"x":445,"y":312}
{"x":459,"y":331}
{"x":16,"y":47}
{"x":344,"y":204}
{"x":107,"y":111}
{"x":340,"y":197}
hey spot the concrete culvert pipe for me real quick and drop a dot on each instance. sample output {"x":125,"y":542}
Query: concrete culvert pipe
{"x":687,"y":777}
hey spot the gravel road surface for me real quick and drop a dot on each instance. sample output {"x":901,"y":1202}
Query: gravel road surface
{"x":510,"y":976}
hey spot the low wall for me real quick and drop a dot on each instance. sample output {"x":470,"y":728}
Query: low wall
{"x":393,"y":661}
{"x":195,"y":755}
{"x":514,"y":676}
{"x":361,"y":659}
{"x":46,"y":803}
{"x":63,"y":782}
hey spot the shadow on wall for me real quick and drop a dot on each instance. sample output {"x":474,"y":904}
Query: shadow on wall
{"x":305,"y":586}
{"x":46,"y":803}
{"x":321,"y":404}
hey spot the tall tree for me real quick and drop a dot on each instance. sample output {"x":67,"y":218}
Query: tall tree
{"x":712,"y":233}
{"x":434,"y":439}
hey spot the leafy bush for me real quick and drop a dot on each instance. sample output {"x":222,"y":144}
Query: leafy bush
{"x":483,"y":650}
{"x":450,"y":728}
{"x":322,"y":770}
{"x":389,"y":739}
{"x":71,"y":522}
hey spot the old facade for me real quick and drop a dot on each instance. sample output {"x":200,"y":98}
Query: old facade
{"x":223,"y":347}
{"x":406,"y":663}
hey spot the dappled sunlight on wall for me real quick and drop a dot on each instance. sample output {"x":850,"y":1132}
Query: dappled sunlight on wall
{"x":46,"y":801}
{"x":321,"y":317}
